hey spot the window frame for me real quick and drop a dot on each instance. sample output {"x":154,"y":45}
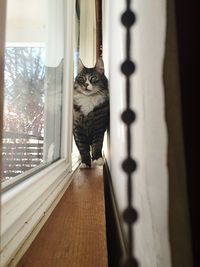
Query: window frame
{"x":27,"y":205}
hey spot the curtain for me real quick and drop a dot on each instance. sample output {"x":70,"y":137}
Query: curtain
{"x":87,"y":52}
{"x":55,"y":33}
{"x":42,"y":22}
{"x":26,"y":21}
{"x":105,"y":35}
{"x":54,"y":79}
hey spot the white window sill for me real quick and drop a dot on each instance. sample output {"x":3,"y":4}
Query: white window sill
{"x":24,"y":206}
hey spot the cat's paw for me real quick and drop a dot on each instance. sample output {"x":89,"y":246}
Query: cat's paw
{"x":84,"y":166}
{"x":98,"y":162}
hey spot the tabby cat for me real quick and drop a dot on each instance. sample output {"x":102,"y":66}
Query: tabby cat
{"x":91,"y":112}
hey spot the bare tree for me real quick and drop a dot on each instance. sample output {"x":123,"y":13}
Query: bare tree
{"x":24,"y":90}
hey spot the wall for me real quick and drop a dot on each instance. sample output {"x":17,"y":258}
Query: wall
{"x":149,"y":132}
{"x":179,"y":227}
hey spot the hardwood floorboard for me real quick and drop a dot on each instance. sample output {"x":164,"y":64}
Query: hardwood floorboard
{"x":75,"y":233}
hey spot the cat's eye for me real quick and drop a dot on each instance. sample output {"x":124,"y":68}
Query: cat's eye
{"x":81,"y":79}
{"x":94,"y":79}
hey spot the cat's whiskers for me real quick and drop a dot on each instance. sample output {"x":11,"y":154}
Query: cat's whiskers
{"x":101,"y":92}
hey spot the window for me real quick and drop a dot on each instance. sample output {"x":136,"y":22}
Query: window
{"x":33,"y":88}
{"x":37,"y":136}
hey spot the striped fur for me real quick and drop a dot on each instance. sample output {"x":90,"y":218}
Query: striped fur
{"x":91,"y":111}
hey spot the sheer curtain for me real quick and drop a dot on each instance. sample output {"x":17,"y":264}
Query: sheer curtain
{"x":54,"y":79}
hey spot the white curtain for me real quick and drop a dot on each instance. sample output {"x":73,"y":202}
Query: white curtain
{"x":54,"y":78}
{"x":37,"y":22}
{"x":105,"y":35}
{"x":26,"y":21}
{"x":150,"y":189}
{"x":87,"y":51}
{"x":55,"y":33}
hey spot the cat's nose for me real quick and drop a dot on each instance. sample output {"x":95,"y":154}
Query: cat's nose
{"x":86,"y":85}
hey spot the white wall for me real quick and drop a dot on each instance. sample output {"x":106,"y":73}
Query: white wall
{"x":149,"y":132}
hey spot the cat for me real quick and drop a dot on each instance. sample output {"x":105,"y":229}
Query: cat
{"x":91,"y":112}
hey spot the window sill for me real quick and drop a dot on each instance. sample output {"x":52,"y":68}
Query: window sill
{"x":25,"y":205}
{"x":76,"y":237}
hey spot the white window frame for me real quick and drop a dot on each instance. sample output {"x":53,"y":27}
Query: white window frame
{"x":26,"y":206}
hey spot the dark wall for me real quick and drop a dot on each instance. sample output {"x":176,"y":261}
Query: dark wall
{"x":188,"y":33}
{"x":115,"y":246}
{"x":179,"y":218}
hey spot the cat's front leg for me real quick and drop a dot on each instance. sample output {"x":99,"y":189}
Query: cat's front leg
{"x":97,"y":150}
{"x":83,"y":147}
{"x":84,"y":150}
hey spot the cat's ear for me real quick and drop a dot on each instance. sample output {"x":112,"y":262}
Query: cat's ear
{"x":80,"y":65}
{"x":100,"y":66}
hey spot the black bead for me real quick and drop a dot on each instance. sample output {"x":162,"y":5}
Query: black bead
{"x":128,"y":67}
{"x":129,"y":165}
{"x":128,"y":116}
{"x":128,"y":18}
{"x":130,"y":215}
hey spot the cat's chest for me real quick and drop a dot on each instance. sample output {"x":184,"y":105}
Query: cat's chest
{"x":88,"y":103}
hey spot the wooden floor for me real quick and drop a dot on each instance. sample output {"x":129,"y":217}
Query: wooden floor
{"x":75,"y":233}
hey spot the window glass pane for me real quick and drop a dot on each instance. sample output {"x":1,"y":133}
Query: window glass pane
{"x":33,"y":85}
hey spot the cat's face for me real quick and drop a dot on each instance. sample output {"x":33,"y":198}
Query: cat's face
{"x":91,"y":81}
